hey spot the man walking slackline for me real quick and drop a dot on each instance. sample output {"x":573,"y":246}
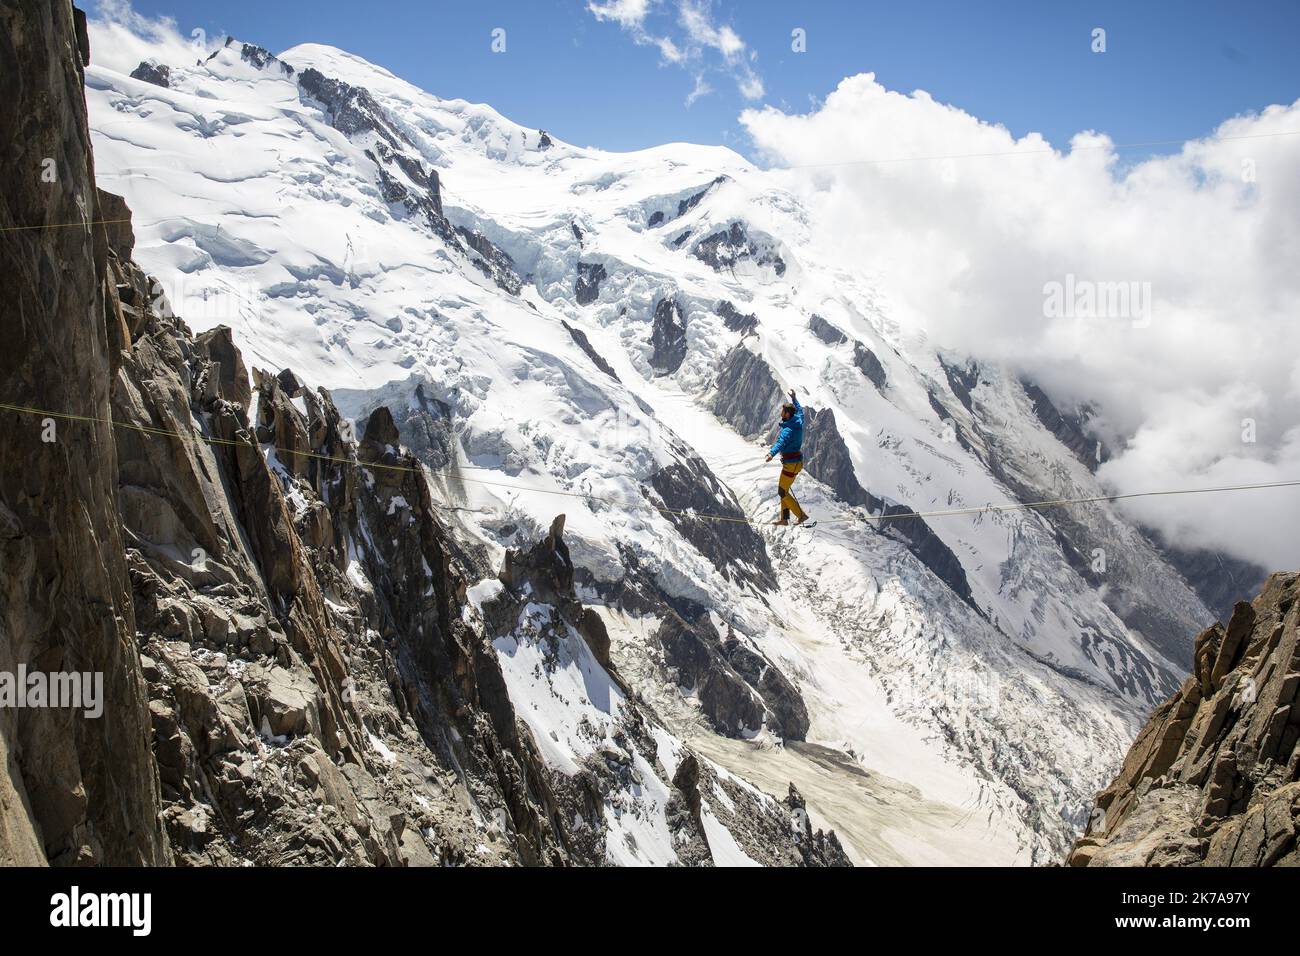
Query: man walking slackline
{"x":789,"y":445}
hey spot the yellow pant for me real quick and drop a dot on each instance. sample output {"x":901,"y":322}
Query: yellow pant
{"x":789,"y":472}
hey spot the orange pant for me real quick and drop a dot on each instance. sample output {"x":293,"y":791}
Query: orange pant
{"x":789,"y":472}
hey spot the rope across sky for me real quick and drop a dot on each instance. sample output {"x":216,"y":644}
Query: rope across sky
{"x":630,"y":505}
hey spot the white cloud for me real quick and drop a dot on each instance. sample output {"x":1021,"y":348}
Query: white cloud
{"x":699,"y":26}
{"x":120,"y":38}
{"x":668,"y":50}
{"x":626,"y":13}
{"x":966,"y":247}
{"x":702,"y":45}
{"x":750,"y":85}
{"x":701,"y":88}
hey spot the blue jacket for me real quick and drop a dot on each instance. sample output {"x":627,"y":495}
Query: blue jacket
{"x":789,"y":443}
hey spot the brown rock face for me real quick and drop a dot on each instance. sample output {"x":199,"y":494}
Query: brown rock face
{"x":230,"y":378}
{"x":248,"y":682}
{"x":75,"y":789}
{"x":1214,"y":777}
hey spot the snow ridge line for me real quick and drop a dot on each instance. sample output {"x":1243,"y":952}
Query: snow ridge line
{"x":794,"y":166}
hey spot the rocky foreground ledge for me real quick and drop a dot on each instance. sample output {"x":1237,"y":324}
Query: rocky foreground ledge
{"x":1214,"y":777}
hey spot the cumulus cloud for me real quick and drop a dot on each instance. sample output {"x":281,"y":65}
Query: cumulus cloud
{"x":701,"y":44}
{"x":120,"y":38}
{"x":1164,"y":291}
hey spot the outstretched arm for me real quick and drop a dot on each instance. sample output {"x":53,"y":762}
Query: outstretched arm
{"x":780,"y":442}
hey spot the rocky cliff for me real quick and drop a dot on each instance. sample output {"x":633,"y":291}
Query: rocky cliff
{"x":73,"y":790}
{"x":294,"y":671}
{"x":1214,"y":777}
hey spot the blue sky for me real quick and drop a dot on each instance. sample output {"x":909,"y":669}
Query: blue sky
{"x":1171,"y":70}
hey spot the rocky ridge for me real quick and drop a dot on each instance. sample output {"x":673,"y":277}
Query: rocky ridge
{"x":1214,"y":777}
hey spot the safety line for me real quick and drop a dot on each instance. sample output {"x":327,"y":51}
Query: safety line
{"x":672,"y":512}
{"x":65,"y":225}
{"x":213,"y":440}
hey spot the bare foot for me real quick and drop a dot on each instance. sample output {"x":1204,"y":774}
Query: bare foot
{"x":781,"y":522}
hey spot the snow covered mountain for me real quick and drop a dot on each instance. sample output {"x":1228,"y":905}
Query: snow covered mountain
{"x":561,"y":329}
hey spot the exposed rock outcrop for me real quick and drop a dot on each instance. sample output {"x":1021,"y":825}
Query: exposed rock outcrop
{"x":260,"y":57}
{"x":746,"y":394}
{"x":693,"y":200}
{"x":545,"y":573}
{"x":353,"y":112}
{"x":581,"y":341}
{"x":587,"y":288}
{"x":668,"y":336}
{"x":929,"y":548}
{"x":685,"y":821}
{"x":816,"y":848}
{"x":955,"y":431}
{"x":825,"y":331}
{"x":734,"y":319}
{"x":687,"y":489}
{"x":351,"y":109}
{"x":828,"y":460}
{"x":426,"y":425}
{"x":403,"y":178}
{"x":659,"y":216}
{"x":1214,"y":777}
{"x":869,"y":365}
{"x":1068,"y":428}
{"x":731,"y":246}
{"x":493,"y":261}
{"x":962,"y":379}
{"x":738,"y":689}
{"x":159,"y":74}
